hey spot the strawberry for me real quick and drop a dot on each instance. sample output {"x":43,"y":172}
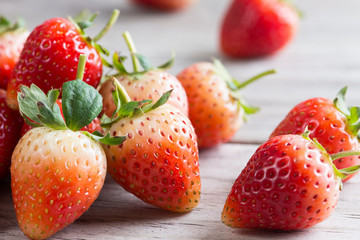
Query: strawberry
{"x":215,"y":107}
{"x":151,"y":83}
{"x":92,"y":127}
{"x":166,"y":5}
{"x":57,"y":171}
{"x":51,"y":53}
{"x":12,"y":39}
{"x":158,"y":162}
{"x":255,"y":28}
{"x":289,"y":183}
{"x":333,"y":124}
{"x":9,"y":133}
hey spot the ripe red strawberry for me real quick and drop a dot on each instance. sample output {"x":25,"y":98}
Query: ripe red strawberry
{"x":333,"y":124}
{"x":51,"y":54}
{"x":151,"y":83}
{"x":92,"y":127}
{"x":289,"y":183}
{"x":12,"y":39}
{"x":10,"y":122}
{"x":158,"y":162}
{"x":167,"y":5}
{"x":216,"y":108}
{"x":254,"y":28}
{"x":57,"y":171}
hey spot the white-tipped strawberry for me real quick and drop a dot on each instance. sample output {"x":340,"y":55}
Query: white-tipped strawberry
{"x":149,"y":83}
{"x":57,"y":171}
{"x":158,"y":162}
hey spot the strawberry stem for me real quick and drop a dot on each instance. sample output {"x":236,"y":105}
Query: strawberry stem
{"x":131,"y":46}
{"x":81,"y":67}
{"x":253,"y":79}
{"x":108,"y":25}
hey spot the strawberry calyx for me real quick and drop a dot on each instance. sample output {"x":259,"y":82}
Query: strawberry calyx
{"x":138,"y":61}
{"x":7,"y":26}
{"x":235,"y":86}
{"x":125,"y":108}
{"x":340,"y":173}
{"x":86,"y":19}
{"x":81,"y":103}
{"x":352,"y":114}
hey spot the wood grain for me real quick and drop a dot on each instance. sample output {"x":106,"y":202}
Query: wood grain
{"x":117,"y":214}
{"x":323,"y":57}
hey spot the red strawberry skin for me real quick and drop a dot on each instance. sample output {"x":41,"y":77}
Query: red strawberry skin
{"x":287,"y":184}
{"x":95,"y":125}
{"x":255,"y":28}
{"x":213,"y":112}
{"x":11,"y":44}
{"x":10,"y":126}
{"x":50,"y":58}
{"x":326,"y":124}
{"x":158,"y":162}
{"x":167,"y":5}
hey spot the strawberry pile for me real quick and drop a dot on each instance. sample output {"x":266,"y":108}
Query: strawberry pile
{"x":62,"y":129}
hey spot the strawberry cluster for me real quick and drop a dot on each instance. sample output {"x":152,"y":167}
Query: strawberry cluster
{"x":60,"y":136}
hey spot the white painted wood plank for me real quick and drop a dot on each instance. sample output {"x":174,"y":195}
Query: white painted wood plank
{"x":324,"y":57}
{"x":117,"y":214}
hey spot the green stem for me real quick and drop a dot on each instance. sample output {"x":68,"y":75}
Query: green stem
{"x":253,"y":79}
{"x":108,"y":25}
{"x":124,"y":97}
{"x":344,"y":154}
{"x":81,"y":67}
{"x":131,"y":46}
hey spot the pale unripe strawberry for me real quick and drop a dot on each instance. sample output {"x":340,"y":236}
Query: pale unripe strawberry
{"x":56,"y":176}
{"x":57,"y":171}
{"x":216,"y":107}
{"x":159,"y":160}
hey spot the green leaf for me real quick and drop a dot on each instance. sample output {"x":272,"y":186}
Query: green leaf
{"x":169,"y":63}
{"x":53,"y":95}
{"x":339,"y":102}
{"x":221,"y":71}
{"x":128,"y":109}
{"x":101,"y":49}
{"x":42,"y":110}
{"x":108,"y":140}
{"x":144,"y":62}
{"x":118,"y":63}
{"x":161,"y":101}
{"x":6,"y":26}
{"x":81,"y":104}
{"x":117,"y":101}
{"x":48,"y":118}
{"x":85,"y":19}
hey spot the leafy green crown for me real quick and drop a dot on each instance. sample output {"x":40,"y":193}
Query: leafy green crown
{"x":81,"y":103}
{"x":127,"y":108}
{"x":137,"y":61}
{"x":235,"y":86}
{"x":7,"y":26}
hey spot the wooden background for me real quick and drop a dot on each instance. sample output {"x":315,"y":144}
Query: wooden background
{"x":324,"y":57}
